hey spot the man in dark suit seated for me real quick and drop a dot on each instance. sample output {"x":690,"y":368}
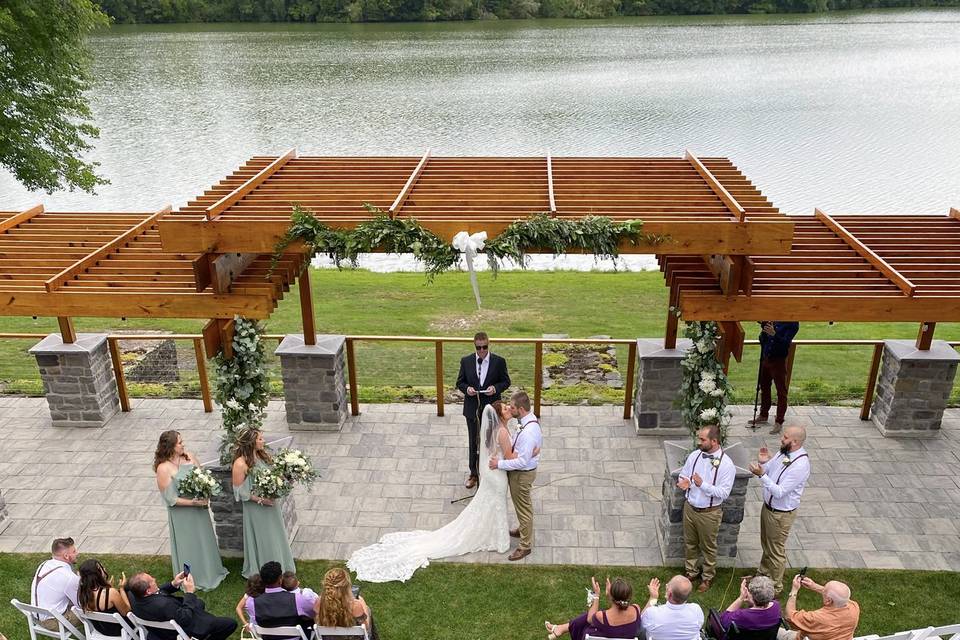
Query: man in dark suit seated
{"x":158,"y":604}
{"x":482,"y":378}
{"x":277,"y":607}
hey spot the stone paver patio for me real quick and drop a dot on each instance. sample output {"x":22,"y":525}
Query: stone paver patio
{"x":872,"y":501}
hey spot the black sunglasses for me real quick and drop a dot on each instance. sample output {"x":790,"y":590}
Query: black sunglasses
{"x":482,"y":347}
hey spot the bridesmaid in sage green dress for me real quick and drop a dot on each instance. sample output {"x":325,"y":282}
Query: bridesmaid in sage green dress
{"x":264,"y":536}
{"x":192,"y":540}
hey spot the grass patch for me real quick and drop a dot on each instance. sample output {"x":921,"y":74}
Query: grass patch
{"x":360,"y":302}
{"x":583,"y":393}
{"x":481,"y":601}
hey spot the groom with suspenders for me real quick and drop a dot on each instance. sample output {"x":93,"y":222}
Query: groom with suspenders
{"x":522,"y":470}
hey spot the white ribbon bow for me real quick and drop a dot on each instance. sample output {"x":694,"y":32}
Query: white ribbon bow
{"x":470,"y":245}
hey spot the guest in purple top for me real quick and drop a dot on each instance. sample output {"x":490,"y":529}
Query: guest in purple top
{"x":621,"y":620}
{"x":277,"y":607}
{"x":755,"y":608}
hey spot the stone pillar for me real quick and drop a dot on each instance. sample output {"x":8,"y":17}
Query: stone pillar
{"x":670,"y":523}
{"x":314,"y":382}
{"x":78,"y":380}
{"x":913,"y":388}
{"x":658,"y":387}
{"x":228,"y":515}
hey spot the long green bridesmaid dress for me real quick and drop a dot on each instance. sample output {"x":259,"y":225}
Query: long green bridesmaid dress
{"x":192,"y":540}
{"x":264,"y":536}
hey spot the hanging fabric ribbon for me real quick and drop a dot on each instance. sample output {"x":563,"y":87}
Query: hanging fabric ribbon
{"x":469,"y":246}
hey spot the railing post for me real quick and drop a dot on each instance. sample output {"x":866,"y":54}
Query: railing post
{"x":871,"y":382}
{"x":202,"y":372}
{"x":438,"y":346}
{"x":628,"y":386}
{"x":537,"y":376}
{"x":352,"y":371}
{"x":118,"y":374}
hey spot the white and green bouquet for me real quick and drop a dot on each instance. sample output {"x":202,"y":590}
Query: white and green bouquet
{"x":270,"y":483}
{"x":295,"y":466}
{"x":199,"y":484}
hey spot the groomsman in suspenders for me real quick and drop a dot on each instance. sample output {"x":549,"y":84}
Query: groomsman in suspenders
{"x":783,"y":478}
{"x":707,"y":478}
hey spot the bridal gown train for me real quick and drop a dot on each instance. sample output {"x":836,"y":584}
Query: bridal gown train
{"x":481,"y":526}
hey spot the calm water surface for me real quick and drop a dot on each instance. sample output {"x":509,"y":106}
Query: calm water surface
{"x":851,"y":113}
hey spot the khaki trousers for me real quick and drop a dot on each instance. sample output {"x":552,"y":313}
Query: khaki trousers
{"x":700,"y":530}
{"x":521,"y":483}
{"x":774,"y":529}
{"x":53,"y":625}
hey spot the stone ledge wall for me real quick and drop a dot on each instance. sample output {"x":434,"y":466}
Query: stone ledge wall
{"x":158,"y":362}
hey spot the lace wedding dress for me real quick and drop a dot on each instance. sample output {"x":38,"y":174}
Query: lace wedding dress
{"x":481,"y":526}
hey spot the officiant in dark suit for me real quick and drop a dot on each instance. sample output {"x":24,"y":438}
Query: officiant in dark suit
{"x":483,"y":377}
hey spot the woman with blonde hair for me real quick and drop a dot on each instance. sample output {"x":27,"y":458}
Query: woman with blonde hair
{"x":264,"y":536}
{"x":337,"y":606}
{"x":192,"y":540}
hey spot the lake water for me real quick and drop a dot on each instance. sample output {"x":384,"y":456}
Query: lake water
{"x":848,"y":112}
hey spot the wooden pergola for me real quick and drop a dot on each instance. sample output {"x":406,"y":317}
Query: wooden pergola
{"x":858,"y":268}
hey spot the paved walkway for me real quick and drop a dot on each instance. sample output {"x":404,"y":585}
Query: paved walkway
{"x":872,"y":502}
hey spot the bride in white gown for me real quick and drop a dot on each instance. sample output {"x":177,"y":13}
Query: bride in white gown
{"x":481,"y":526}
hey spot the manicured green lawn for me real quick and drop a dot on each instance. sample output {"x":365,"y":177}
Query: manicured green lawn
{"x":516,"y":304}
{"x":506,"y":601}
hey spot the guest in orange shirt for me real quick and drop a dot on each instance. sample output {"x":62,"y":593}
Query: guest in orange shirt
{"x":837,"y":619}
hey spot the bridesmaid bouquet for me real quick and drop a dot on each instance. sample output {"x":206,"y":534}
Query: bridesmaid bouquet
{"x":199,"y":484}
{"x":293,"y":465}
{"x":270,"y":483}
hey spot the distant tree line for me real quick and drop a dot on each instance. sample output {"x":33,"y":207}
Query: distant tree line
{"x":159,"y":11}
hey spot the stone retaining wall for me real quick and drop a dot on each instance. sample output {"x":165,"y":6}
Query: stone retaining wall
{"x":158,"y":362}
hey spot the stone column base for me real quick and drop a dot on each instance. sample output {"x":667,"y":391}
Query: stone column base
{"x":314,"y":382}
{"x":228,"y":515}
{"x":670,"y":523}
{"x":913,"y":388}
{"x":78,"y":380}
{"x":659,"y":375}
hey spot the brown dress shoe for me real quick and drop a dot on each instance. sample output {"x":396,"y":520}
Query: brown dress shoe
{"x":471,"y":482}
{"x":519,"y":554}
{"x":777,"y":428}
{"x":514,"y":533}
{"x":704,"y":586}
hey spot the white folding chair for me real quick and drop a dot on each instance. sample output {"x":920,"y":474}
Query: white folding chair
{"x":143,"y":627}
{"x":278,"y":632}
{"x":65,"y":630}
{"x":88,"y":617}
{"x":590,"y":637}
{"x":322,"y":633}
{"x":952,"y":630}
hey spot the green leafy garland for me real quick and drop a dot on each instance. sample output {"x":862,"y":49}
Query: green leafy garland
{"x":705,"y":391}
{"x":598,"y":235}
{"x":242,"y":384}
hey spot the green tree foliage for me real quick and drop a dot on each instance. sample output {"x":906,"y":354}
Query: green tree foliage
{"x":44,"y":71}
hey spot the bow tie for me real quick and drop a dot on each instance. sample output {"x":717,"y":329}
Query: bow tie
{"x":707,"y":456}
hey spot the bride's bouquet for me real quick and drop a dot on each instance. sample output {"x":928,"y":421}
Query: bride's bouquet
{"x":269,"y":483}
{"x":296,"y":467}
{"x":199,"y":484}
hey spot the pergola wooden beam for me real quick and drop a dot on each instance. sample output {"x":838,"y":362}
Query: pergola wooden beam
{"x":67,"y":333}
{"x":715,"y":185}
{"x":553,"y":200}
{"x":689,"y":237}
{"x":925,"y":335}
{"x":819,"y":308}
{"x":866,"y":253}
{"x":20,"y":218}
{"x":92,"y":258}
{"x":729,"y":271}
{"x":237,"y":194}
{"x":955,"y":213}
{"x":408,"y":186}
{"x":63,"y":303}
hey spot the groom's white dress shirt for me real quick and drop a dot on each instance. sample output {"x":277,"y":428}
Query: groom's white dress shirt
{"x":528,"y":438}
{"x":57,"y":588}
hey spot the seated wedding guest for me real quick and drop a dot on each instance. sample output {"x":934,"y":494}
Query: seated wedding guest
{"x":755,"y":608}
{"x":277,"y":607}
{"x":54,"y":585}
{"x":621,"y":620}
{"x":290,"y":582}
{"x":676,"y":619}
{"x":254,"y":587}
{"x":337,"y":607}
{"x":159,"y":604}
{"x":837,"y":619}
{"x":97,"y":593}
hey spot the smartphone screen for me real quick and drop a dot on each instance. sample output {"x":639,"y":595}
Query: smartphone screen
{"x":186,"y":569}
{"x":356,"y":590}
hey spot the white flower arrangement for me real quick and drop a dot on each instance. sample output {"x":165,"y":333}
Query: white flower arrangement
{"x":706,"y":390}
{"x":270,"y":483}
{"x":199,"y":484}
{"x":296,"y":467}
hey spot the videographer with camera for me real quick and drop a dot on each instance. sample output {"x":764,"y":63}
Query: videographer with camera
{"x":775,"y":340}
